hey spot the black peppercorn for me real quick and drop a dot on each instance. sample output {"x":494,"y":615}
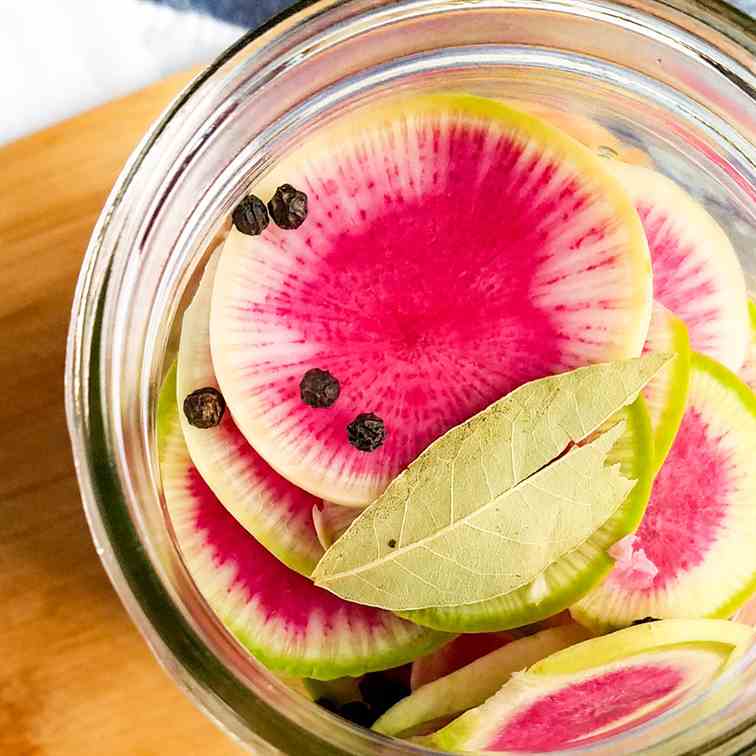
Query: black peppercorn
{"x":645,"y":620}
{"x":326,"y":703}
{"x":250,"y":216}
{"x":319,"y":388}
{"x":204,"y":407}
{"x":288,"y":208}
{"x":366,"y":432}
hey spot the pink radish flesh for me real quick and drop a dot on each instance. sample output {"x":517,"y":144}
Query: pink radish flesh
{"x":676,"y":539}
{"x":559,"y":720}
{"x":693,"y":554}
{"x":276,"y":613}
{"x":279,"y":592}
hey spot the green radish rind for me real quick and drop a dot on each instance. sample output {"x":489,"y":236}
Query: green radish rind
{"x":640,"y":638}
{"x":591,"y":611}
{"x":391,"y":644}
{"x":471,"y":685}
{"x":570,"y":578}
{"x":647,"y":642}
{"x":666,"y":419}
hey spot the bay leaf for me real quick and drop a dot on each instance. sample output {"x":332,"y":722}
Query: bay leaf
{"x":475,"y":516}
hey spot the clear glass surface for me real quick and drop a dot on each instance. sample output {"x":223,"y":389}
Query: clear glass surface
{"x":675,"y":78}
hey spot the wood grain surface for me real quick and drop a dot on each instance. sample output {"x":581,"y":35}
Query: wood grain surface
{"x":76,"y":679}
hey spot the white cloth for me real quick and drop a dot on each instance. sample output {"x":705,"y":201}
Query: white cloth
{"x":59,"y":57}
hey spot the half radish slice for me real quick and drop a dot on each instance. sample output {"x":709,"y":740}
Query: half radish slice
{"x":275,"y":512}
{"x":454,"y":249}
{"x":579,"y":570}
{"x":699,"y":530}
{"x":598,"y":689}
{"x":697,"y":274}
{"x":667,"y":392}
{"x":277,"y":614}
{"x":748,"y":371}
{"x":470,"y":685}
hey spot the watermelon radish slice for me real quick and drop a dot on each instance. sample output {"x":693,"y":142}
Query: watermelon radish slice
{"x":277,"y":614}
{"x":667,"y":392}
{"x":748,"y":371}
{"x":577,"y":572}
{"x":697,"y":274}
{"x":454,"y":249}
{"x":275,"y":512}
{"x":460,"y":652}
{"x":699,"y":530}
{"x":598,"y":689}
{"x":331,"y":521}
{"x":473,"y":683}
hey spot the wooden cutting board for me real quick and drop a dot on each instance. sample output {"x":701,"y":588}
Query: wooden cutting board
{"x":76,"y":679}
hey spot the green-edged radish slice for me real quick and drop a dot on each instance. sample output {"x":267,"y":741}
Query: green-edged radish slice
{"x":747,"y":373}
{"x":699,"y":531}
{"x":454,"y":249}
{"x":471,"y":685}
{"x":667,"y":392}
{"x":275,"y":512}
{"x":576,"y":573}
{"x":458,"y":653}
{"x":278,"y":615}
{"x":598,"y":689}
{"x":697,"y":274}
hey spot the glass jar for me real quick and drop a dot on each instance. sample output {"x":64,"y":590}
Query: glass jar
{"x":675,"y":78}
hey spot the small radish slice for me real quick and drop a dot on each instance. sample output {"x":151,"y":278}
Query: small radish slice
{"x":473,"y":683}
{"x":460,"y":652}
{"x":278,"y":615}
{"x":748,"y":371}
{"x":697,"y":274}
{"x":331,"y":520}
{"x":598,"y":689}
{"x":275,"y":512}
{"x":667,"y":392}
{"x":454,"y":250}
{"x":699,"y":528}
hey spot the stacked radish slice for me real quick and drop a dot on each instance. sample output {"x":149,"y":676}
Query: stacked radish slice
{"x":454,"y":249}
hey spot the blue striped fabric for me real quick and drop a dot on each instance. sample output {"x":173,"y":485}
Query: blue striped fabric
{"x":249,"y":13}
{"x":252,"y":13}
